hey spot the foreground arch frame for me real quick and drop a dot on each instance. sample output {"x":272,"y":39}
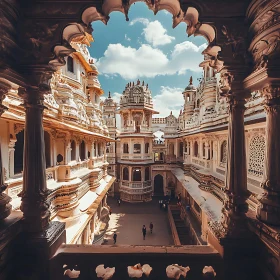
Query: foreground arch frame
{"x":243,"y":44}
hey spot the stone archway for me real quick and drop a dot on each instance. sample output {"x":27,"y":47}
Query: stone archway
{"x":158,"y":185}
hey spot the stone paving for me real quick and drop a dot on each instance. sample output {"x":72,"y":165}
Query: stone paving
{"x":128,"y":218}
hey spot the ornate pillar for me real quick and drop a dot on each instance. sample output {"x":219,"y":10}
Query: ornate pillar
{"x":5,"y":207}
{"x":269,"y":210}
{"x":235,"y":206}
{"x":34,"y":204}
{"x":11,"y":157}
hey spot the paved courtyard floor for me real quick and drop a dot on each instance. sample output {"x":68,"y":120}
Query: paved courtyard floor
{"x":128,"y":218}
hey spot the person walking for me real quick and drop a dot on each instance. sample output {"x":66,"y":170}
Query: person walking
{"x":144,"y":231}
{"x":151,"y":227}
{"x":115,"y":237}
{"x":119,"y":202}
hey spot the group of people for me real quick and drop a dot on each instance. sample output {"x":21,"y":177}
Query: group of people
{"x":163,"y":204}
{"x":144,"y":230}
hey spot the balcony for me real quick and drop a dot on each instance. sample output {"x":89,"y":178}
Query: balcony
{"x":136,"y":190}
{"x":82,"y":261}
{"x":136,"y":184}
{"x":136,"y":156}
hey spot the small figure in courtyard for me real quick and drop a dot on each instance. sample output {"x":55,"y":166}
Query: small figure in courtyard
{"x":160,"y":204}
{"x":144,"y":231}
{"x":151,"y":227}
{"x":115,"y":237}
{"x":119,"y":202}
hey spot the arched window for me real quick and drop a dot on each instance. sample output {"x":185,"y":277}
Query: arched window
{"x":73,"y":150}
{"x":256,"y":155}
{"x":224,"y":152}
{"x":99,"y":149}
{"x":137,"y":149}
{"x":82,"y":150}
{"x":181,"y":151}
{"x":203,"y":150}
{"x":171,"y":149}
{"x":125,"y":174}
{"x":147,"y":173}
{"x":188,"y":98}
{"x":47,"y":140}
{"x":136,"y":174}
{"x":18,"y":154}
{"x":195,"y":149}
{"x":147,"y":148}
{"x":125,"y":148}
{"x":70,"y":64}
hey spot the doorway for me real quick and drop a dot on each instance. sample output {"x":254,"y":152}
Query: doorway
{"x":158,"y":185}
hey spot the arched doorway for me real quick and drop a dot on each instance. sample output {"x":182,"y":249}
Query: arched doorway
{"x":158,"y":185}
{"x":18,"y":155}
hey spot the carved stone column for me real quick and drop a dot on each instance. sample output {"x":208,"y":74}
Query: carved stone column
{"x":269,"y":210}
{"x":235,"y":206}
{"x":11,"y":157}
{"x":5,"y":207}
{"x":34,"y":193}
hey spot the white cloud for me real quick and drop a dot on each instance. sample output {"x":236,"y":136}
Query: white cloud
{"x":146,"y":61}
{"x":126,"y":37}
{"x":169,"y":99}
{"x":140,"y":20}
{"x":154,"y":32}
{"x":130,"y":63}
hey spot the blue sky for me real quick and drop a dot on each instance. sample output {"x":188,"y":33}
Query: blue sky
{"x":146,"y":47}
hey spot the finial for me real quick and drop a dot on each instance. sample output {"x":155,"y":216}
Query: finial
{"x":133,"y":84}
{"x":143,"y":83}
{"x":171,"y":113}
{"x":138,"y":82}
{"x":109,"y":94}
{"x":147,"y":86}
{"x":191,"y":80}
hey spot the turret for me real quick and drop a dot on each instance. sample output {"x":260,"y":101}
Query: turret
{"x":189,"y":96}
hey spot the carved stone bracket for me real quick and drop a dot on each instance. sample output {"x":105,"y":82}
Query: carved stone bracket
{"x":4,"y":88}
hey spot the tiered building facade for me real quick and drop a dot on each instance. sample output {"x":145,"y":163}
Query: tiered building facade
{"x":75,"y":137}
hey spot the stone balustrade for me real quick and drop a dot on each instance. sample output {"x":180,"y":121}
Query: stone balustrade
{"x":136,"y":190}
{"x":137,"y":156}
{"x":82,"y":260}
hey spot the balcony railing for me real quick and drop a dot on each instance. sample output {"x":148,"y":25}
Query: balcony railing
{"x":88,"y":262}
{"x":136,"y":190}
{"x":137,"y":156}
{"x":136,"y":184}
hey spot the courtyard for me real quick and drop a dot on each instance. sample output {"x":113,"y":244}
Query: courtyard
{"x":127,"y":221}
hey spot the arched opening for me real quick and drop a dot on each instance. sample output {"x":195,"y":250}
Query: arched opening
{"x":195,"y":149}
{"x":137,"y":149}
{"x":203,"y":150}
{"x":70,"y":64}
{"x":47,"y":139}
{"x":73,"y":150}
{"x":99,"y":149}
{"x":147,"y":148}
{"x":82,"y":150}
{"x":158,"y":185}
{"x":197,"y":103}
{"x":125,"y":174}
{"x":125,"y":148}
{"x":171,"y":149}
{"x":181,"y":149}
{"x":158,"y":135}
{"x":18,"y":154}
{"x":147,"y":173}
{"x":136,"y":174}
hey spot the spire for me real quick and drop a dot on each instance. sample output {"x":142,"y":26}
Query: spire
{"x":109,"y":96}
{"x":191,"y":80}
{"x":147,"y":86}
{"x":143,"y":83}
{"x":138,"y":82}
{"x":133,"y":84}
{"x":171,"y":113}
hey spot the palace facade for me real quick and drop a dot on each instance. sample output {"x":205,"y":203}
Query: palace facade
{"x":75,"y":139}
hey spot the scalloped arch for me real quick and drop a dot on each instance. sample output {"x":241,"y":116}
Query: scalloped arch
{"x":92,"y":13}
